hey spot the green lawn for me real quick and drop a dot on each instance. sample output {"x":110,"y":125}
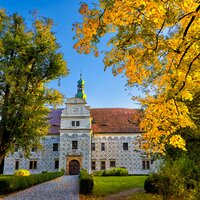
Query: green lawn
{"x":105,"y":185}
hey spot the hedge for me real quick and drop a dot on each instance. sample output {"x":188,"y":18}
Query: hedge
{"x":13,"y":183}
{"x":86,"y":182}
{"x":112,"y":172}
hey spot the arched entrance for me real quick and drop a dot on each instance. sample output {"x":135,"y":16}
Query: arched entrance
{"x":74,"y":167}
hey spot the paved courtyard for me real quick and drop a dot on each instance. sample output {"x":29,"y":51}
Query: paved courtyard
{"x":63,"y":188}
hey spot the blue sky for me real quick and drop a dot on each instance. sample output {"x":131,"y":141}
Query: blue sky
{"x":102,"y":88}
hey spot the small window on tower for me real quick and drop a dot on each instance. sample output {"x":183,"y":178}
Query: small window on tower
{"x":75,"y":123}
{"x":74,"y":144}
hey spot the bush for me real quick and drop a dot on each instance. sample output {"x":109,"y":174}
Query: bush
{"x":13,"y":183}
{"x":179,"y":179}
{"x":157,"y":184}
{"x":151,"y":184}
{"x":98,"y":173}
{"x":86,"y":182}
{"x":22,"y":172}
{"x":62,"y":170}
{"x":112,"y":172}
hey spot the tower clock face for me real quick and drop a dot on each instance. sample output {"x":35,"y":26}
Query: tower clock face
{"x":75,"y":110}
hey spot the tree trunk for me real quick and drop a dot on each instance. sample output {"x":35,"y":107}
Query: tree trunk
{"x":2,"y":156}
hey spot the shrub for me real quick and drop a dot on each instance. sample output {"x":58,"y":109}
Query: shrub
{"x":86,"y":182}
{"x":177,"y":180}
{"x":62,"y":170}
{"x":22,"y":172}
{"x":98,"y":173}
{"x":151,"y":184}
{"x":112,"y":172}
{"x":13,"y":183}
{"x":157,"y":184}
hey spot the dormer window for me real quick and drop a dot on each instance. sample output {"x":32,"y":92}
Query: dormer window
{"x":75,"y":123}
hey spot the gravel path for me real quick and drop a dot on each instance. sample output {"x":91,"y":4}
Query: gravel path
{"x":63,"y":188}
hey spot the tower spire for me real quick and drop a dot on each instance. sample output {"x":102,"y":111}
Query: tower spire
{"x":80,"y":89}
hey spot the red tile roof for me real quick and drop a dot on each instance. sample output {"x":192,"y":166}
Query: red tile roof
{"x":104,"y":120}
{"x":114,"y":120}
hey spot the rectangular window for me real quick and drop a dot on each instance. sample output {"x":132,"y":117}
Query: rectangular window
{"x":93,"y":165}
{"x":74,"y":144}
{"x":56,"y":164}
{"x":112,"y":163}
{"x":145,"y":164}
{"x":103,"y":165}
{"x":16,"y":164}
{"x":16,"y":148}
{"x":55,"y":146}
{"x":75,"y":123}
{"x":148,"y":164}
{"x":93,"y":146}
{"x":34,"y":149}
{"x":102,"y":146}
{"x":125,"y":146}
{"x":33,"y":164}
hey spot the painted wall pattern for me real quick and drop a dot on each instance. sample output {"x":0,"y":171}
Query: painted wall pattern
{"x":45,"y":158}
{"x":130,"y":159}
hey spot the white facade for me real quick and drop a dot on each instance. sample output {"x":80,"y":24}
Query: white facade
{"x":71,"y":149}
{"x":127,"y":158}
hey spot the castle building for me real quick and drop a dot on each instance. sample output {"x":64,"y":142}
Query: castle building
{"x":81,"y":137}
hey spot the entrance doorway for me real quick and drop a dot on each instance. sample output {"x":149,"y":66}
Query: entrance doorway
{"x":74,"y":167}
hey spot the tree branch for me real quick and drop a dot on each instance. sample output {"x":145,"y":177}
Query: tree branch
{"x":158,"y":34}
{"x":189,"y":68}
{"x":186,"y":50}
{"x":190,"y":23}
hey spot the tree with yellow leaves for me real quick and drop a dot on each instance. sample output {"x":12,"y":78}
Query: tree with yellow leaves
{"x":155,"y":43}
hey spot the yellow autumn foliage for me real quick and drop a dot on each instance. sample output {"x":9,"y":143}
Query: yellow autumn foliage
{"x":156,"y":44}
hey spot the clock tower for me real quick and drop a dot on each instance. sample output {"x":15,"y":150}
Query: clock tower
{"x":75,"y":134}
